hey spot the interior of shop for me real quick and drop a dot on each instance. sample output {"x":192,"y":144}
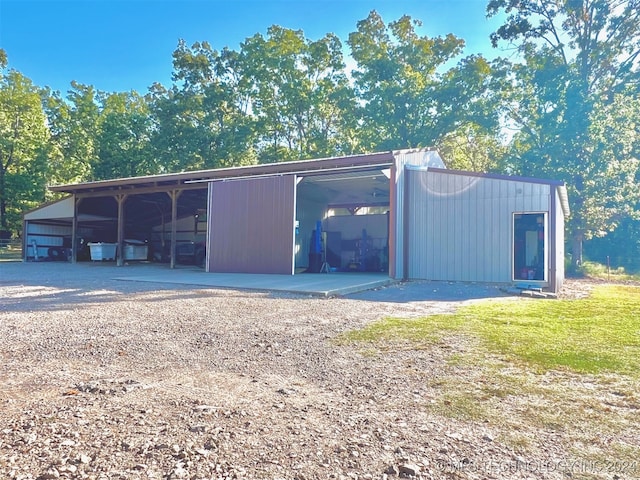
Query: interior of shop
{"x":342,"y":222}
{"x":529,"y":246}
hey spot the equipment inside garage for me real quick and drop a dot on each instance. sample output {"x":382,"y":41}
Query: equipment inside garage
{"x":343,"y":222}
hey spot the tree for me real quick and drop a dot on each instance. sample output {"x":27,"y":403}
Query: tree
{"x":408,"y":98}
{"x":579,"y":58}
{"x":300,"y":94}
{"x":202,"y":121}
{"x":123,"y":141}
{"x":23,"y":141}
{"x":73,"y":123}
{"x":471,"y":148}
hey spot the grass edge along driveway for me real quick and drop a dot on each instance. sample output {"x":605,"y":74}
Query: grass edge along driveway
{"x":540,"y":373}
{"x":597,"y":334}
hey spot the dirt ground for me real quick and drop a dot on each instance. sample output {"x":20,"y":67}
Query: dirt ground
{"x":106,"y":379}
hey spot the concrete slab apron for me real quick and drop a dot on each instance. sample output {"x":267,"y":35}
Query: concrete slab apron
{"x":321,"y":284}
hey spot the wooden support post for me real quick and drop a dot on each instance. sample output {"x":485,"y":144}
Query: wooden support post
{"x":120,"y":198}
{"x":74,"y":229}
{"x":25,"y":229}
{"x":174,"y":194}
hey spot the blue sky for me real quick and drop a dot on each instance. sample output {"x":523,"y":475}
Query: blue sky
{"x":122,"y":45}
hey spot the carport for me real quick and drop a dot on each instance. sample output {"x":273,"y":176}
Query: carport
{"x":112,"y":212}
{"x":258,"y":219}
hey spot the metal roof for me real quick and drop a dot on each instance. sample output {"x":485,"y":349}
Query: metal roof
{"x":184,"y":179}
{"x":558,"y":184}
{"x":345,"y":167}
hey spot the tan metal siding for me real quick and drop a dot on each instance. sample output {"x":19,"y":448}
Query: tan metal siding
{"x":424,"y":158}
{"x":60,"y":209}
{"x":460,"y":226}
{"x":251,"y":226}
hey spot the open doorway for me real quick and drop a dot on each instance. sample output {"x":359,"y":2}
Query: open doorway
{"x":529,"y":246}
{"x":351,"y":212}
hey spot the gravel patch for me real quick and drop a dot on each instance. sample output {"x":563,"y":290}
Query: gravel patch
{"x":104,"y":379}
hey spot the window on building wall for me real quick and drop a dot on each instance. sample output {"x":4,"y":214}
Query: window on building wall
{"x":356,"y":210}
{"x":529,"y":246}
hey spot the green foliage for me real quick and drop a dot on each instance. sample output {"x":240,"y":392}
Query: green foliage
{"x":596,"y":334}
{"x":300,"y":95}
{"x":23,"y":155}
{"x":470,"y":148}
{"x":405,"y":101}
{"x":606,"y":272}
{"x":74,"y":134}
{"x":621,"y":247}
{"x":576,"y":103}
{"x":124,"y":128}
{"x":202,"y":121}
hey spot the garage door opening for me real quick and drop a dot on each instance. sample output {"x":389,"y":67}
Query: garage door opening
{"x":342,"y":222}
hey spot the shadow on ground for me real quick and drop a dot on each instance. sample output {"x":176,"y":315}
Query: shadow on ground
{"x":428,"y":291}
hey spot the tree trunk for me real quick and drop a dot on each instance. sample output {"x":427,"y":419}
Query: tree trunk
{"x":5,"y":234}
{"x":3,"y":201}
{"x":576,"y":257}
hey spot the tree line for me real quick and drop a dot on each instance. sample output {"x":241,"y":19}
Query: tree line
{"x":564,"y":106}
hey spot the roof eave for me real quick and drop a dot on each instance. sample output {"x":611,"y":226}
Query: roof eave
{"x":383,"y":158}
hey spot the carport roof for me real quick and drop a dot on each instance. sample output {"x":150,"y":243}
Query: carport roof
{"x":171,"y":180}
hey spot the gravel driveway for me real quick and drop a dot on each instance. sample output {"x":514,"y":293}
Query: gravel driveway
{"x":105,"y":379}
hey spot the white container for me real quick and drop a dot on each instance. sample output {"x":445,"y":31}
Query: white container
{"x":102,"y":251}
{"x":135,"y":250}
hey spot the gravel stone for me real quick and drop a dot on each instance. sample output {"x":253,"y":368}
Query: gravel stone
{"x":104,"y":379}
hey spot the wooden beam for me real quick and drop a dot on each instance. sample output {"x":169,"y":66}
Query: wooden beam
{"x":121,"y":198}
{"x":74,"y":230}
{"x":142,"y":190}
{"x":174,"y":195}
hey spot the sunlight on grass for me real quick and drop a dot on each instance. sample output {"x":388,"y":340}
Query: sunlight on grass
{"x":596,"y":334}
{"x":530,"y":370}
{"x":460,"y":405}
{"x":598,"y":270}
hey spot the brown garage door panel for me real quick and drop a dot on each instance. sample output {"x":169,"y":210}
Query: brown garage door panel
{"x":251,"y":225}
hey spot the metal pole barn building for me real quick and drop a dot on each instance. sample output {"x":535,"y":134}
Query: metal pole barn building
{"x":400,"y":213}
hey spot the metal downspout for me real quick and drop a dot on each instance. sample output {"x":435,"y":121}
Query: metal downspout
{"x":405,"y":225}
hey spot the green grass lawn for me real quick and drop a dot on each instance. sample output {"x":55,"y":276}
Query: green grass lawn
{"x":615,"y":275}
{"x":538,"y":373}
{"x":591,"y":335}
